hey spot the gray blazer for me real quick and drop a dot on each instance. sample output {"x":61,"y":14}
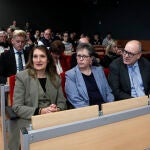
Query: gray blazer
{"x":76,"y":89}
{"x":26,"y":101}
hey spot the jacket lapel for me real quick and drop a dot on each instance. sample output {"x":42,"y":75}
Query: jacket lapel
{"x":34,"y":91}
{"x":51,"y":92}
{"x":81,"y":84}
{"x":125,"y":76}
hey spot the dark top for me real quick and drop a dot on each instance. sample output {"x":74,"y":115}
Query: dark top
{"x":107,"y":59}
{"x":43,"y":83}
{"x":95,"y":97}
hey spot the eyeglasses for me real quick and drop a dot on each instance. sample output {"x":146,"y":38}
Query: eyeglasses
{"x":82,"y":56}
{"x":124,"y":52}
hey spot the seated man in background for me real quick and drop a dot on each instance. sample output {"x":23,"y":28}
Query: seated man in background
{"x":15,"y":59}
{"x":130,"y":74}
{"x":86,"y":84}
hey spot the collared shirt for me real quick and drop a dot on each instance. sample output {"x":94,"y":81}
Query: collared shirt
{"x":138,"y":78}
{"x":58,"y":67}
{"x":16,"y":57}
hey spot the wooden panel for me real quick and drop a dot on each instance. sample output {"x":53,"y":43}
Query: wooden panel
{"x":145,"y":44}
{"x":62,"y":117}
{"x":126,"y":104}
{"x":131,"y":134}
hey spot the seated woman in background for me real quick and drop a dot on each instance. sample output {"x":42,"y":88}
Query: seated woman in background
{"x":60,"y":60}
{"x":112,"y":52}
{"x":37,"y":91}
{"x":86,"y":84}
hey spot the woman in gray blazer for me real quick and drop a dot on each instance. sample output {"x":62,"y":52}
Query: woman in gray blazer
{"x":37,"y":91}
{"x":86,"y":84}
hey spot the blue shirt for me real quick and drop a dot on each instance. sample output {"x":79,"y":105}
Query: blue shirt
{"x":138,"y":78}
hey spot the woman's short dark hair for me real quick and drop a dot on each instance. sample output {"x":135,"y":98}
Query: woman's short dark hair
{"x":86,"y":46}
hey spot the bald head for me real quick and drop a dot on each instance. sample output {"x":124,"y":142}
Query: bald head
{"x":132,"y":52}
{"x":83,"y":40}
{"x":134,"y":46}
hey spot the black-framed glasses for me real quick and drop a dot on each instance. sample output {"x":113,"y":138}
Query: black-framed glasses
{"x":82,"y":56}
{"x":124,"y":52}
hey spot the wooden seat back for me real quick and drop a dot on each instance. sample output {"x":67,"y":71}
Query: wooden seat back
{"x":117,"y":106}
{"x":64,"y":117}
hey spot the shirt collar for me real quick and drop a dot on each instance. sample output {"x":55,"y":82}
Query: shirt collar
{"x":134,"y":65}
{"x":15,"y":51}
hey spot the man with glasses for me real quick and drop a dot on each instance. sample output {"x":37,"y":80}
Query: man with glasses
{"x":130,"y":74}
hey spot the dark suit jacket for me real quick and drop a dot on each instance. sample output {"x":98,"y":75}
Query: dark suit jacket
{"x":119,"y":78}
{"x":8,"y":63}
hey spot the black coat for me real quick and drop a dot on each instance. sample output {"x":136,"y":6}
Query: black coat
{"x":8,"y":63}
{"x":119,"y":78}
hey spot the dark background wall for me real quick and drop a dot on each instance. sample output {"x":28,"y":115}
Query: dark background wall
{"x":126,"y":19}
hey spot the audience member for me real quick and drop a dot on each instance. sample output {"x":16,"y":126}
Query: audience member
{"x":57,"y":52}
{"x":73,"y":40}
{"x":68,"y":45}
{"x":14,"y":25}
{"x":37,"y":36}
{"x":46,"y":39}
{"x":95,"y":61}
{"x":130,"y":74}
{"x":73,"y":61}
{"x":9,"y":34}
{"x":86,"y":84}
{"x":37,"y":91}
{"x":97,"y":40}
{"x":27,"y":27}
{"x":108,"y":39}
{"x":30,"y":41}
{"x":15,"y":59}
{"x":112,"y":52}
{"x":4,"y":45}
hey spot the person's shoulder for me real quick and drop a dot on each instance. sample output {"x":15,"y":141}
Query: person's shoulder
{"x":144,"y":60}
{"x":116,"y":61}
{"x":7,"y":53}
{"x":72,"y":72}
{"x":96,"y":67}
{"x":23,"y":74}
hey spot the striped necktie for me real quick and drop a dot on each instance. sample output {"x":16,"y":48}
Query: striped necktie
{"x":20,"y":63}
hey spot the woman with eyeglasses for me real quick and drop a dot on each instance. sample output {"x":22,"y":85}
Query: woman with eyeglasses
{"x":129,"y":75}
{"x":86,"y":84}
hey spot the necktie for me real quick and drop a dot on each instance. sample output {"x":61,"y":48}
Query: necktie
{"x":136,"y":83}
{"x":20,"y":64}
